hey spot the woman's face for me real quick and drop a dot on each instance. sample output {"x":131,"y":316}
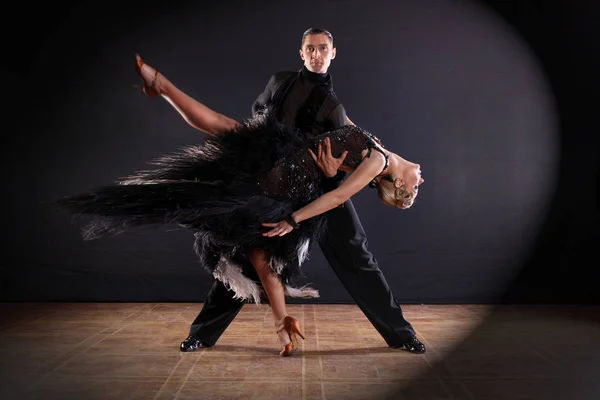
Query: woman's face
{"x":410,"y":181}
{"x":402,"y":190}
{"x":412,"y":178}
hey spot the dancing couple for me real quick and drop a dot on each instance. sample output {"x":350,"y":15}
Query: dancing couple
{"x":257,"y":194}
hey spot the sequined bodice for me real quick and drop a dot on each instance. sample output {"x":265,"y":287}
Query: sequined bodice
{"x":299,"y":177}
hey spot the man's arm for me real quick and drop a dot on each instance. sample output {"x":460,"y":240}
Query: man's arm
{"x":337,"y":117}
{"x":328,"y":164}
{"x":263,"y":98}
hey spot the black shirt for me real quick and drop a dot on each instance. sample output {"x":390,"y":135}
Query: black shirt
{"x":331,"y":115}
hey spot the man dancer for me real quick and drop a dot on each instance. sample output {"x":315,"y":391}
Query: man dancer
{"x":306,"y":100}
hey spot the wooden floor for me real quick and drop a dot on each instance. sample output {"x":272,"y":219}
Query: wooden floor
{"x":131,"y":351}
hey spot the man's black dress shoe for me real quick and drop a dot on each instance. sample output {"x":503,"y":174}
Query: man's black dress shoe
{"x":191,"y":344}
{"x":413,"y":345}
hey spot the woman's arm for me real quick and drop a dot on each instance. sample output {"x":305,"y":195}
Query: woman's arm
{"x":368,"y":169}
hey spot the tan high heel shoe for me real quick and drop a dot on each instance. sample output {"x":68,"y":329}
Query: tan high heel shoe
{"x":287,"y":329}
{"x":148,"y":75}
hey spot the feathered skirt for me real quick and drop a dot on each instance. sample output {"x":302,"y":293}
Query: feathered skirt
{"x":222,"y":190}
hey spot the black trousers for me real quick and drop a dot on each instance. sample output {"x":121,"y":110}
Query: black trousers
{"x":345,"y":247}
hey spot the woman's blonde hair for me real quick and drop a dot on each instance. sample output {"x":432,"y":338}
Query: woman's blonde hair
{"x":390,"y":195}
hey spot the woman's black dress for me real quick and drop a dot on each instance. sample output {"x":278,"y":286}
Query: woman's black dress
{"x":222,"y":190}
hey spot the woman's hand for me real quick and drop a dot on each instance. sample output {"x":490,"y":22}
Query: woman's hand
{"x":279,"y":228}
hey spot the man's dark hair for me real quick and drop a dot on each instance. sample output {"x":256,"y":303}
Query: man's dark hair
{"x":316,"y":31}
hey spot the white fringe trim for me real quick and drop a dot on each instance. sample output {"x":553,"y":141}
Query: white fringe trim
{"x":232,"y":277}
{"x":303,"y":251}
{"x":246,"y":289}
{"x":305,"y":292}
{"x":276,"y":265}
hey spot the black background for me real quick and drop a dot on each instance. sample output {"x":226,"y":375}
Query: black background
{"x":496,"y":100}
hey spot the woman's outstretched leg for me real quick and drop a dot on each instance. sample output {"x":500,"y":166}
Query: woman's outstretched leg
{"x":195,"y":113}
{"x":287,"y":327}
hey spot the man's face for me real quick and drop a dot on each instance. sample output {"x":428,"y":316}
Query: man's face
{"x":317,"y":52}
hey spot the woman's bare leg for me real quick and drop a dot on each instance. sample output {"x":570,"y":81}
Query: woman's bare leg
{"x":271,"y":284}
{"x":286,"y":327}
{"x":195,"y":113}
